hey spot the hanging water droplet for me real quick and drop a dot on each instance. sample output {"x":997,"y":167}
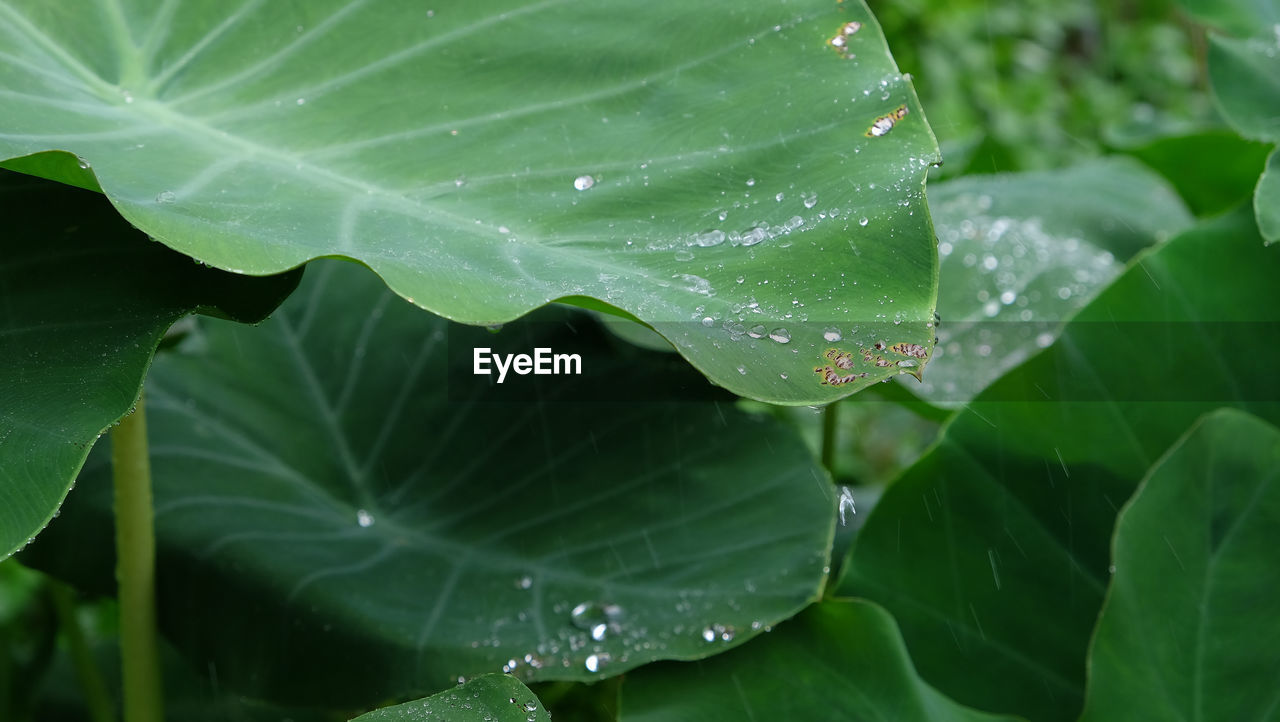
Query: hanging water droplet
{"x":166,"y":197}
{"x":82,"y":163}
{"x":364,"y":518}
{"x":831,"y":334}
{"x":781,"y":335}
{"x":583,"y":182}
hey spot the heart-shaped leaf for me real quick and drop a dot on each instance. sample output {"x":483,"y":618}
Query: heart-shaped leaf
{"x":1189,"y":629}
{"x":1006,"y":522}
{"x":489,"y":698}
{"x":84,"y":301}
{"x":746,"y":178}
{"x":836,"y":660}
{"x":394,"y":521}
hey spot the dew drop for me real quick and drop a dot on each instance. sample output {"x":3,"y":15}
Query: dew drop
{"x":708,"y":321}
{"x":863,"y":221}
{"x":683,"y":255}
{"x":166,"y":197}
{"x":709,"y":634}
{"x":583,"y":182}
{"x":524,"y":582}
{"x":811,"y":201}
{"x":709,"y":238}
{"x":302,"y":101}
{"x":778,"y":197}
{"x":364,"y":518}
{"x":781,"y":335}
{"x":756,"y":331}
{"x":831,"y":334}
{"x":741,"y":279}
{"x":596,"y":661}
{"x":751,"y":182}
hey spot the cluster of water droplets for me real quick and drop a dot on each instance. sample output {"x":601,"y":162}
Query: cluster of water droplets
{"x":1021,"y":281}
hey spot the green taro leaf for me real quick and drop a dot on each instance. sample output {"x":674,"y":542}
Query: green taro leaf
{"x":1006,"y":523}
{"x":1189,"y":629}
{"x":1022,"y":252}
{"x":1266,"y":200}
{"x":393,"y":524}
{"x":84,"y":301}
{"x":490,"y":698}
{"x":836,"y":660}
{"x":720,"y":170}
{"x":1245,"y":74}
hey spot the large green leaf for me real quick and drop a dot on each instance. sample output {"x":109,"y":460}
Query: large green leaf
{"x":394,"y":523}
{"x":1266,"y":199}
{"x":1245,"y":74}
{"x":709,"y":167}
{"x":992,"y":551}
{"x":491,"y":698}
{"x":84,"y":301}
{"x":1189,"y":629}
{"x":838,"y":660}
{"x":1022,"y":252}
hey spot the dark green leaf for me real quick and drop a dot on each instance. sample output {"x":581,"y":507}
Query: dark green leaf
{"x":1189,"y":629}
{"x":491,"y":698}
{"x":734,"y":180}
{"x":992,"y":552}
{"x":84,"y":300}
{"x":345,"y":514}
{"x":1213,"y":170}
{"x":838,"y":660}
{"x":1022,"y":252}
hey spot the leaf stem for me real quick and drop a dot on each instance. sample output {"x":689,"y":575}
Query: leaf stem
{"x":96,"y":697}
{"x":135,"y":570}
{"x":829,"y":417}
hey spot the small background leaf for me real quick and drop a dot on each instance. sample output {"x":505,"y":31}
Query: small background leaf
{"x":392,"y":524}
{"x":1266,"y":200}
{"x":1188,"y":630}
{"x":1245,"y":74}
{"x":86,"y":299}
{"x":489,"y":698}
{"x":835,"y":660}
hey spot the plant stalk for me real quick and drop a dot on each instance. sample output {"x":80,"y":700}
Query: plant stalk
{"x":136,"y":569}
{"x":829,"y":439}
{"x":96,"y":698}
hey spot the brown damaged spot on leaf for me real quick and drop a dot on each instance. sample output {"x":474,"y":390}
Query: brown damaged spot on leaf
{"x":914,"y":350}
{"x":831,"y":377}
{"x":882,"y":125}
{"x":840,"y":41}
